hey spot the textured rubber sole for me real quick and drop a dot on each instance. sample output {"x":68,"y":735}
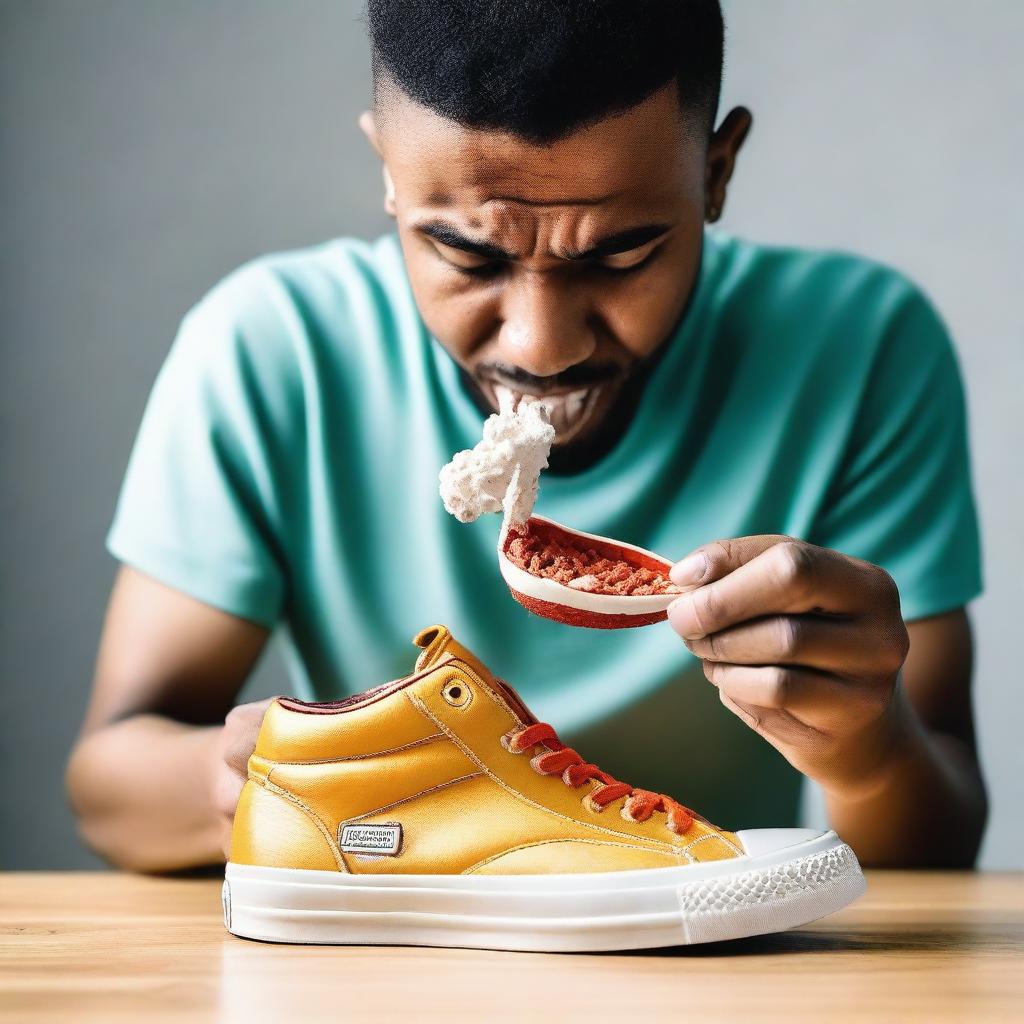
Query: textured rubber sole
{"x":578,"y":617}
{"x":547,"y":913}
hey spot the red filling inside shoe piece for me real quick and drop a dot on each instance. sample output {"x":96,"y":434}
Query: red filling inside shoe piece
{"x":583,"y":564}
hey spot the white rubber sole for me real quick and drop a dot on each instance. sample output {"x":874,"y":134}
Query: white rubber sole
{"x":548,"y":913}
{"x":543,"y":589}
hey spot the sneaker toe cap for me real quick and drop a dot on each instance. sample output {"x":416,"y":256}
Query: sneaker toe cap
{"x":759,"y":841}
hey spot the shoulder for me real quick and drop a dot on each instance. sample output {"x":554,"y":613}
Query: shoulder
{"x":270,"y":321}
{"x":829,"y":304}
{"x":789,"y":280}
{"x":323,"y":286}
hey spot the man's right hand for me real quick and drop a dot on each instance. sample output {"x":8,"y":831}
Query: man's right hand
{"x":236,"y":742}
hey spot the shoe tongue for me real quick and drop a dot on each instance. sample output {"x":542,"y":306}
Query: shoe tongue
{"x":516,"y":702}
{"x":439,"y":645}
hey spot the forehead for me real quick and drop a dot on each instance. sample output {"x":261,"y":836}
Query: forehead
{"x":646,"y":160}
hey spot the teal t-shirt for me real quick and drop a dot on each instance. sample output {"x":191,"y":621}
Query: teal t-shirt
{"x":286,"y":472}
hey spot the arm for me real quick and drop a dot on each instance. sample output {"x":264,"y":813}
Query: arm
{"x":807,"y":646}
{"x":155,"y":772}
{"x":927,"y":804}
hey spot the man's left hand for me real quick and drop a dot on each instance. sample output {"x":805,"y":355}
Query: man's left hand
{"x":805,"y":645}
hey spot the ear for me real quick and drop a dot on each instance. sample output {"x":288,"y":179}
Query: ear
{"x":368,"y":126}
{"x":721,"y":161}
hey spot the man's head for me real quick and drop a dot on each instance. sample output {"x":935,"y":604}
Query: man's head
{"x":550,"y":164}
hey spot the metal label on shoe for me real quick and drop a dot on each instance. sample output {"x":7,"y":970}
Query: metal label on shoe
{"x":384,"y":840}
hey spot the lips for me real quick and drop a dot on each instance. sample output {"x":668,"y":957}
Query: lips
{"x":571,"y":412}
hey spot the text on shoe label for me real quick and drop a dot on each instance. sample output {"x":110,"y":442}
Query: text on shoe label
{"x":383,"y":839}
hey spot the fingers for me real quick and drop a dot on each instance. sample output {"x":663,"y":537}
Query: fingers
{"x":814,"y":698}
{"x":227,"y":788}
{"x":768,"y":686}
{"x":241,"y":729}
{"x":787,"y":576}
{"x":236,"y":742}
{"x":845,"y":649}
{"x":782,"y":729}
{"x":712,"y":561}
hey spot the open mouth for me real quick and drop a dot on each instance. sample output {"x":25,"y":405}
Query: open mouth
{"x":572,"y":412}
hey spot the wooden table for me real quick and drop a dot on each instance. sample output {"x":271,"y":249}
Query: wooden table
{"x":109,"y":947}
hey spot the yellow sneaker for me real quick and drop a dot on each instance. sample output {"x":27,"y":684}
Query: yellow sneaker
{"x":436,"y":810}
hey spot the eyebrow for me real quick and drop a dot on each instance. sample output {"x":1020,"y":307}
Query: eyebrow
{"x":621,"y":241}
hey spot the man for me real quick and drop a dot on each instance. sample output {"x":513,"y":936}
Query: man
{"x":790,"y":422}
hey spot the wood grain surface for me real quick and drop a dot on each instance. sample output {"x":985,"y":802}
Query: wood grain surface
{"x":110,"y":947}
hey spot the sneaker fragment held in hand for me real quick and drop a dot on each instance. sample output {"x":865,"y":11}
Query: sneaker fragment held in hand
{"x":572,"y":577}
{"x":436,"y":810}
{"x":581,"y":579}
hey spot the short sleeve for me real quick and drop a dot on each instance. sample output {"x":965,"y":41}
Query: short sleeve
{"x":902,"y":497}
{"x":196,"y":508}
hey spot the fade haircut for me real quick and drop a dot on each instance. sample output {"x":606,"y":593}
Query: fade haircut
{"x":542,"y":69}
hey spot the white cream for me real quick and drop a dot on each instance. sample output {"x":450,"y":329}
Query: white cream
{"x":501,"y":473}
{"x":588,"y":583}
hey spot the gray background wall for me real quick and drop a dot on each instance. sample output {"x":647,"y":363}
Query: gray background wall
{"x":148,"y":148}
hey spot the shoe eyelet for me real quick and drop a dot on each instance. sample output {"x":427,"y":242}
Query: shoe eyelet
{"x":457,"y":693}
{"x":590,"y":805}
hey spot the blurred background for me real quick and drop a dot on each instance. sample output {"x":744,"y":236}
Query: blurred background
{"x":150,"y":147}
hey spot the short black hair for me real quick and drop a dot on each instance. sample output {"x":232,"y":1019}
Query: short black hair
{"x":541,"y":69}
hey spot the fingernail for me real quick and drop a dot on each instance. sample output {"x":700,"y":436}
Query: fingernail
{"x":680,"y":614}
{"x":689,"y":571}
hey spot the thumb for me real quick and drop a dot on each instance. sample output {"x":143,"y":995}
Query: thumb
{"x":718,"y":558}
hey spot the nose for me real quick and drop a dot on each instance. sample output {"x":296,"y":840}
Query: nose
{"x":545,"y":324}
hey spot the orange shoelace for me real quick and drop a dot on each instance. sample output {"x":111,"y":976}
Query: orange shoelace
{"x":559,"y":759}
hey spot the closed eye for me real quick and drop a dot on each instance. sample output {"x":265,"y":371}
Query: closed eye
{"x":465,"y":262}
{"x":617,"y":263}
{"x":490,"y":269}
{"x":623,"y":262}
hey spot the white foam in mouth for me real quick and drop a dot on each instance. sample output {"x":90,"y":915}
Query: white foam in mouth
{"x":501,"y":472}
{"x":567,"y":412}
